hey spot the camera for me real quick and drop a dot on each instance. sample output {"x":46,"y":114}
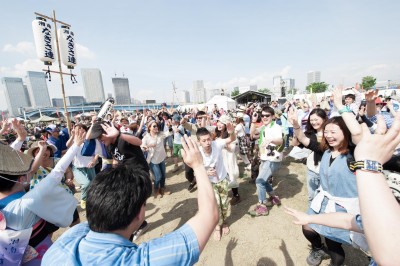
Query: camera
{"x":270,"y":150}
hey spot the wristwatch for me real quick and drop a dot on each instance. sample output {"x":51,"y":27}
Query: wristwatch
{"x":366,"y":165}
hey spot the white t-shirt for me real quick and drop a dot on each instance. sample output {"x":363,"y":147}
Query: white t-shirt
{"x":178,"y":135}
{"x":157,"y":153}
{"x":81,"y":161}
{"x":271,"y":131}
{"x":215,"y":160}
{"x":240,"y":130}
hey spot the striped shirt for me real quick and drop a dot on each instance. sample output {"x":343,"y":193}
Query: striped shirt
{"x":81,"y":246}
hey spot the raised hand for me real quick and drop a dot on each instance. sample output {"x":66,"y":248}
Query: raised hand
{"x":371,"y":95}
{"x":301,"y":218}
{"x":110,"y":130}
{"x":190,"y":153}
{"x":79,"y":137}
{"x":337,"y":98}
{"x":229,"y":127}
{"x":20,"y":129}
{"x":42,"y":145}
{"x":292,"y":115}
{"x":378,"y":147}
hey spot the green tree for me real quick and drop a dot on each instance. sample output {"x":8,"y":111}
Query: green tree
{"x":235,"y":92}
{"x":265,"y":90}
{"x":368,"y":82}
{"x":317,"y":87}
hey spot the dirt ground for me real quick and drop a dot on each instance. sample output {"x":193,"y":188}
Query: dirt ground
{"x":267,"y":240}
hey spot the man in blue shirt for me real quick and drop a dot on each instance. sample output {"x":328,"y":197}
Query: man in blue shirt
{"x":116,"y":203}
{"x":60,"y":141}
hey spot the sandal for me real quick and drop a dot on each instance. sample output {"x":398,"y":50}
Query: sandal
{"x":225,"y":229}
{"x":217,"y":234}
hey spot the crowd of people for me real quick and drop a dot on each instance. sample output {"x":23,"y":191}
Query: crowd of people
{"x":347,"y":141}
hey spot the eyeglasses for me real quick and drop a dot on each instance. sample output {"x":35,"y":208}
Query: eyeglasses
{"x":265,"y":115}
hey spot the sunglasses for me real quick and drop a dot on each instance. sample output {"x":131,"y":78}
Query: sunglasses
{"x":265,"y":115}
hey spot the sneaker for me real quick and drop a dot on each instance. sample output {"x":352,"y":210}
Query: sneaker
{"x":191,"y":186}
{"x":316,"y":256}
{"x":142,"y":229}
{"x":273,"y":200}
{"x":83,"y":204}
{"x":259,"y":210}
{"x":176,"y":168}
{"x":248,"y":167}
{"x":235,"y":200}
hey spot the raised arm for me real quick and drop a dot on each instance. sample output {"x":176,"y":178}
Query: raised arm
{"x":205,"y":220}
{"x":337,"y":220}
{"x":39,"y":157}
{"x":381,"y":225}
{"x":370,"y":97}
{"x":292,"y":117}
{"x":231,"y":131}
{"x":71,"y":138}
{"x":348,"y":116}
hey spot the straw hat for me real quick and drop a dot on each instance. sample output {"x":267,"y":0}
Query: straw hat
{"x":13,"y":162}
{"x":224,"y":119}
{"x":35,"y":146}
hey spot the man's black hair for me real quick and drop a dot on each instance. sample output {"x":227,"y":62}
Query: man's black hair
{"x":115,"y":197}
{"x":268,"y":109}
{"x":202,"y":132}
{"x":200,"y":113}
{"x":6,"y":185}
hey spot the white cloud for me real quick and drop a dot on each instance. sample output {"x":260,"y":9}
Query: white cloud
{"x":21,"y":48}
{"x":84,"y":52}
{"x":19,"y":70}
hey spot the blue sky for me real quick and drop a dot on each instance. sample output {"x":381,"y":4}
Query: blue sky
{"x":224,"y":43}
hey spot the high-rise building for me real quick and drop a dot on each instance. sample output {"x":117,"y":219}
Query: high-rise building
{"x":121,"y":90}
{"x":289,"y":85}
{"x":15,"y":94}
{"x":37,"y":89}
{"x":276,"y":87}
{"x":184,"y":97}
{"x":27,"y":95}
{"x":313,"y":76}
{"x":198,"y":92}
{"x":93,"y":85}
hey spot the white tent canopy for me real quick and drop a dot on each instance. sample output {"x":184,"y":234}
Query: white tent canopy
{"x":222,"y":102}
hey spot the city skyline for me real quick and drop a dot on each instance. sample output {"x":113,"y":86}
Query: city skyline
{"x":224,"y":44}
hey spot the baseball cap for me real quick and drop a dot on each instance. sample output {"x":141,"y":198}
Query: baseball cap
{"x":97,"y":130}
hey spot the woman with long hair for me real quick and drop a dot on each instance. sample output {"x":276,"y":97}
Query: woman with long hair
{"x":337,"y":193}
{"x":310,"y":139}
{"x":153,"y":143}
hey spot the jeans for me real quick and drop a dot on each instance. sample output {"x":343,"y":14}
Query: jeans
{"x":168,"y":140}
{"x":189,"y":173}
{"x":267,"y":169}
{"x":83,"y":176}
{"x":313,"y":181}
{"x":159,"y":174}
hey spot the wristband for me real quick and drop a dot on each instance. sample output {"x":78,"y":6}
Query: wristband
{"x":345,"y":109}
{"x":366,"y":165}
{"x":295,"y":128}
